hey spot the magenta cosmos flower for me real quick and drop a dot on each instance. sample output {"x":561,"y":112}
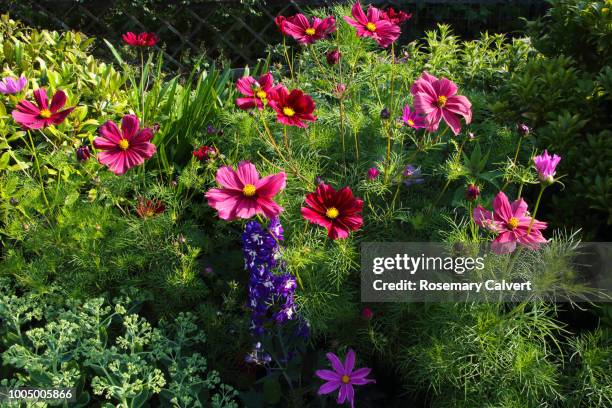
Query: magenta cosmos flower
{"x":31,"y":116}
{"x":140,"y":40}
{"x":293,"y":108}
{"x":125,"y":148}
{"x":305,"y":32}
{"x":413,"y":119}
{"x":256,"y":92}
{"x":510,"y":222}
{"x":244,"y":194}
{"x":344,"y":377}
{"x":438,"y":99}
{"x":375,"y":25}
{"x":10,"y":86}
{"x":546,"y":165}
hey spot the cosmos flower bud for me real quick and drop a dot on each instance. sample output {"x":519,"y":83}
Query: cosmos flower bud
{"x":83,"y":153}
{"x":367,"y":313}
{"x":523,"y":129}
{"x":14,"y":201}
{"x":385,"y":114}
{"x":472,"y":192}
{"x":339,"y":90}
{"x":333,"y":56}
{"x":373,"y":173}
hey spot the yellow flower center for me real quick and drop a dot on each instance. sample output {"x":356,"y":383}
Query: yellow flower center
{"x":124,"y":144}
{"x":249,"y":190}
{"x":512,"y":223}
{"x":261,"y":94}
{"x":345,"y":379}
{"x":441,"y":101}
{"x":45,"y":113}
{"x":332,"y":213}
{"x":371,"y":27}
{"x":288,"y":111}
{"x":310,"y":31}
{"x":410,"y":122}
{"x":150,"y":213}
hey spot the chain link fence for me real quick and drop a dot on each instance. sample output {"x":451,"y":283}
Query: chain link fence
{"x":240,"y":30}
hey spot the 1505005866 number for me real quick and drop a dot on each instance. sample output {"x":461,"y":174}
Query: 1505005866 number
{"x":37,"y":394}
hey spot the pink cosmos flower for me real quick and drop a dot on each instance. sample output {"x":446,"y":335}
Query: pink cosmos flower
{"x":293,"y":109}
{"x":10,"y":86}
{"x":125,"y":148}
{"x":244,"y":194}
{"x":546,"y":166}
{"x":31,"y":116}
{"x":375,"y":25}
{"x":256,"y":92}
{"x":305,"y":32}
{"x":510,"y":222}
{"x":413,"y":119}
{"x":437,"y":98}
{"x":343,"y":376}
{"x":280,"y":23}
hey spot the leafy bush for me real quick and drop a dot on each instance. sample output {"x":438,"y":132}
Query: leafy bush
{"x":564,"y":93}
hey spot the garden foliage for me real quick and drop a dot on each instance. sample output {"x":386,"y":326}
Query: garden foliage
{"x":74,"y":234}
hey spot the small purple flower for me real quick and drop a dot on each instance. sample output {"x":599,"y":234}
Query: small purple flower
{"x":211,"y":130}
{"x":83,"y":154}
{"x":373,"y":173}
{"x":413,"y":119}
{"x":546,"y":166}
{"x":412,"y":175}
{"x":10,"y":86}
{"x":343,"y":377}
{"x":319,"y":180}
{"x":258,"y":355}
{"x":385,"y":114}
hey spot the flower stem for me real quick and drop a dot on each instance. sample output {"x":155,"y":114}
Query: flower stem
{"x":289,"y":63}
{"x":42,"y":184}
{"x":142,"y":87}
{"x":535,"y":209}
{"x":391,"y":113}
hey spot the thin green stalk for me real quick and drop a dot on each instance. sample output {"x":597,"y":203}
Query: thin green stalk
{"x":289,"y":62}
{"x":142,"y":87}
{"x":42,"y":184}
{"x":391,"y":112}
{"x":535,"y":209}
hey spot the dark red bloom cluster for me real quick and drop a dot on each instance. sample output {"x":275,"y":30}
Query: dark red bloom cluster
{"x":140,"y":40}
{"x":147,"y":208}
{"x":395,"y":17}
{"x":205,"y":152}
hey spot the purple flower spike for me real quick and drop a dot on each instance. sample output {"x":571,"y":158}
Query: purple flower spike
{"x":343,"y":377}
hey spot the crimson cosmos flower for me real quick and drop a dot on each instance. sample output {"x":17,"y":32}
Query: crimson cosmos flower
{"x":294,"y":108}
{"x":256,"y":92}
{"x":338,"y":211}
{"x":125,"y":148}
{"x":280,"y":23}
{"x":395,"y":17}
{"x":147,"y":208}
{"x":376,"y":25}
{"x":30,"y":116}
{"x":140,"y":40}
{"x":438,"y":99}
{"x":305,"y":32}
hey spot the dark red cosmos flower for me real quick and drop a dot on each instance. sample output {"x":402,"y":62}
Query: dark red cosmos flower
{"x":148,"y":208}
{"x":333,"y":56}
{"x":205,"y":152}
{"x":293,"y":108}
{"x":140,"y":40}
{"x":31,"y":116}
{"x":338,"y":211}
{"x":395,"y":17}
